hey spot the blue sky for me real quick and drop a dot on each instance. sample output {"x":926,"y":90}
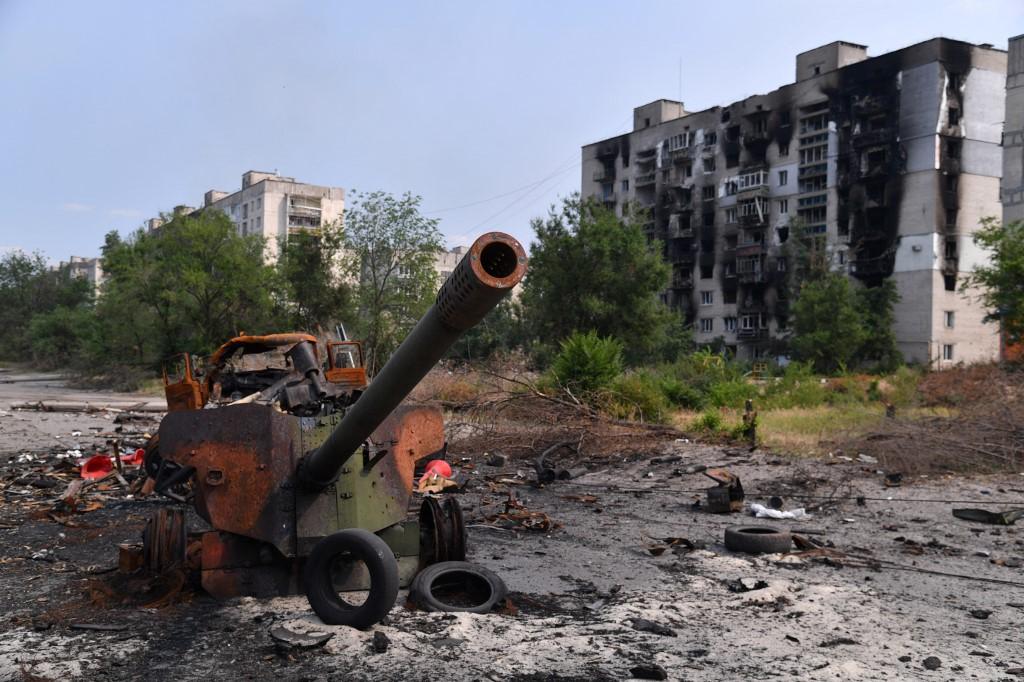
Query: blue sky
{"x":114,"y":111}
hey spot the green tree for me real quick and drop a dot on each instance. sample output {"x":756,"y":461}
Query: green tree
{"x":876,"y":308}
{"x":500,"y":331}
{"x":591,"y":271}
{"x":29,"y":287}
{"x":186,"y":288}
{"x":312,"y":268}
{"x":394,"y":248}
{"x":828,"y":328}
{"x":999,"y":284}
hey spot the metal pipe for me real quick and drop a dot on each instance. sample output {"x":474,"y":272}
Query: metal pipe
{"x":494,"y":264}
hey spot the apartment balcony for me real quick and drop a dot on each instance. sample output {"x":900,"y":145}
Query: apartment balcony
{"x":951,"y":166}
{"x":753,"y":220}
{"x":608,"y":150}
{"x":751,"y":334}
{"x":682,"y":257}
{"x":682,"y":154}
{"x":646,"y":154}
{"x":750,"y":249}
{"x":682,"y":281}
{"x":608,"y":199}
{"x":756,"y":138}
{"x":751,"y":308}
{"x":873,"y":267}
{"x":303,"y":222}
{"x":755,"y":276}
{"x":870,"y":104}
{"x":679,"y":228}
{"x":870,"y":138}
{"x":602,"y":174}
{"x":645,"y":179}
{"x":813,"y":170}
{"x":761,"y":190}
{"x":303,"y":211}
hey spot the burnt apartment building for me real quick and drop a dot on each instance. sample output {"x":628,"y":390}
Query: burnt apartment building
{"x":888,"y":163}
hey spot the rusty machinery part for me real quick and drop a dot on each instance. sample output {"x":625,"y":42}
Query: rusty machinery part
{"x":457,"y":586}
{"x":322,"y":570}
{"x":165,"y":541}
{"x":757,"y":539}
{"x":495,"y":263}
{"x":442,"y":532}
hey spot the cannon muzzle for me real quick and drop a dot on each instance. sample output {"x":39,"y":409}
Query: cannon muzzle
{"x":495,"y":263}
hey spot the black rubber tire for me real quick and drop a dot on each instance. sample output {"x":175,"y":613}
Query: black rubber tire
{"x":380,"y":563}
{"x":422,"y":589}
{"x":757,"y":539}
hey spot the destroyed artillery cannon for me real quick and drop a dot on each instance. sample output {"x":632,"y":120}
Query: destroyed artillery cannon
{"x":317,"y":500}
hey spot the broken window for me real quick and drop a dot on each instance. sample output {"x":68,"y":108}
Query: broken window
{"x":953,"y":149}
{"x":951,"y":183}
{"x":732,"y":160}
{"x":781,"y":264}
{"x":950,"y":281}
{"x":951,"y":218}
{"x":730,"y":324}
{"x":783,"y":149}
{"x":730,"y":215}
{"x":760,"y":126}
{"x":709,"y":165}
{"x":950,"y":248}
{"x":707,"y":192}
{"x":729,"y":296}
{"x":625,"y":185}
{"x":784,"y":118}
{"x":688,"y":170}
{"x":709,"y":220}
{"x":783,"y":233}
{"x":726,"y":115}
{"x":730,"y":242}
{"x":707,"y":271}
{"x":711,"y":138}
{"x":954,"y":116}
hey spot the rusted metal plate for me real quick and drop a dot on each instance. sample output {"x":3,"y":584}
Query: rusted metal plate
{"x":244,"y":458}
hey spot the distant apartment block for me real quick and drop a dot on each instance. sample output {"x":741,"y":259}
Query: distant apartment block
{"x":90,"y":269}
{"x":890,"y":162}
{"x":272,"y":206}
{"x":1013,"y":134}
{"x":445,"y":261}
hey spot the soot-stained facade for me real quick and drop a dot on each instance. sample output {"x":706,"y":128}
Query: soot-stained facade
{"x":888,"y":163}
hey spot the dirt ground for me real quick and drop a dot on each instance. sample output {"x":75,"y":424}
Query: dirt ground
{"x":579,"y":592}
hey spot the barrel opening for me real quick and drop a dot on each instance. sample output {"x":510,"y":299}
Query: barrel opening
{"x":498,"y":260}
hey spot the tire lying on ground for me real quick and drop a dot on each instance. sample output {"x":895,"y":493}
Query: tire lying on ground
{"x":457,"y":586}
{"x":357,"y":545}
{"x":757,"y":539}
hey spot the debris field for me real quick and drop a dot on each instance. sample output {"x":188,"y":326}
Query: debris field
{"x":616,"y":569}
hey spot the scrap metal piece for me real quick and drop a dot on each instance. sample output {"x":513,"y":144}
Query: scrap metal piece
{"x":1006,"y":518}
{"x":164,"y":541}
{"x":728,"y":495}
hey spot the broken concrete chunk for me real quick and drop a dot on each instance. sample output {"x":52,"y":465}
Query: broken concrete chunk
{"x":932,"y":663}
{"x":648,"y":671}
{"x":644,"y":625}
{"x":299,"y":640}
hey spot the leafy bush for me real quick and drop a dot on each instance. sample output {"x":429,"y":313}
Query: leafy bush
{"x":587,"y":363}
{"x":710,"y":422}
{"x":731,"y":393}
{"x":681,"y":394}
{"x":639,"y":396}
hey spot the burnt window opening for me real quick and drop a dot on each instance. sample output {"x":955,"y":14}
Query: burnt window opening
{"x":876,"y":194}
{"x":783,"y":237}
{"x":707,"y":245}
{"x":732,"y":160}
{"x":877,"y":157}
{"x":709,"y":165}
{"x":726,"y":115}
{"x":781,"y":264}
{"x":950,"y":281}
{"x":729,"y":296}
{"x":688,"y":170}
{"x":707,"y":192}
{"x":760,"y":126}
{"x":784,"y":118}
{"x":709,"y":220}
{"x":783,"y":149}
{"x":664,"y":175}
{"x":711,"y":138}
{"x":954,"y":116}
{"x":707,"y":271}
{"x":732,"y":133}
{"x":876,"y":123}
{"x":844,"y":228}
{"x":951,"y":214}
{"x":647,"y":123}
{"x":950,"y":248}
{"x":730,"y":242}
{"x":951,"y":183}
{"x":817,"y":70}
{"x":953,"y":149}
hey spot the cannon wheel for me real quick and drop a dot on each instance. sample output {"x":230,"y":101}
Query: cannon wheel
{"x":381,"y":564}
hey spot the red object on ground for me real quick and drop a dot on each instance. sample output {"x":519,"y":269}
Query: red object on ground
{"x":439,"y":467}
{"x":134,"y":458}
{"x":97,"y":466}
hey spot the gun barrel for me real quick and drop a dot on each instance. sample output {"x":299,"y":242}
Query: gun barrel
{"x":494,"y":264}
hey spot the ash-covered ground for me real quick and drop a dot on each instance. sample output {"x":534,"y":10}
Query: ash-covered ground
{"x":873,"y":607}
